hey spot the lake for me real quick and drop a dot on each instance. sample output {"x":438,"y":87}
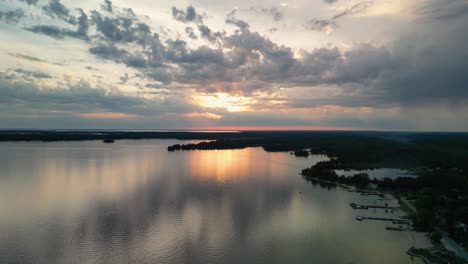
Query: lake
{"x":134,"y":202}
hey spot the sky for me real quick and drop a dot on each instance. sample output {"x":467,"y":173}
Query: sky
{"x":234,"y":65}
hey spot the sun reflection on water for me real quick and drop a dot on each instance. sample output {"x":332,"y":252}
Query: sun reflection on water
{"x":235,"y":165}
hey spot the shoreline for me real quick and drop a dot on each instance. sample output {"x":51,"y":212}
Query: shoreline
{"x":406,"y":207}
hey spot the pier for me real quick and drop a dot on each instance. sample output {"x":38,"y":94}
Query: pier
{"x":393,"y":220}
{"x":365,"y":207}
{"x":397,"y":228}
{"x":369,"y":193}
{"x":386,"y":199}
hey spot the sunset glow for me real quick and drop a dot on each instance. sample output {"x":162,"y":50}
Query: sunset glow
{"x":281,"y":128}
{"x":325,"y":64}
{"x":231,"y":103}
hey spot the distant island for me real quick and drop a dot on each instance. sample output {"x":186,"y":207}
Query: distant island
{"x":80,"y":135}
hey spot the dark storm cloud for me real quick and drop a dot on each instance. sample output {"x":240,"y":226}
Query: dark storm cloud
{"x":57,"y":32}
{"x":30,"y":2}
{"x":107,"y":6}
{"x":320,"y":24}
{"x":275,"y":60}
{"x":125,"y":27}
{"x":418,"y":69}
{"x":190,"y":15}
{"x":341,"y":100}
{"x":136,"y":60}
{"x":350,"y":120}
{"x":77,"y":96}
{"x":81,"y":97}
{"x":208,"y":34}
{"x":442,"y":10}
{"x":51,"y":31}
{"x":83,"y":26}
{"x":12,"y":16}
{"x":56,"y":9}
{"x":375,"y":71}
{"x":428,"y":68}
{"x":108,"y":51}
{"x":153,"y":54}
{"x":122,"y":27}
{"x":178,"y":52}
{"x":205,"y":31}
{"x":205,"y":64}
{"x":162,"y":75}
{"x":363,"y":63}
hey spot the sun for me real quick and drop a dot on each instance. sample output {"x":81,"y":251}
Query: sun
{"x":223,"y":101}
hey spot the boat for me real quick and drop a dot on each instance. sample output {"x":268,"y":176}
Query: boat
{"x":359,"y":218}
{"x":108,"y":140}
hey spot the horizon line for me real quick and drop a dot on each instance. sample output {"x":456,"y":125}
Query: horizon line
{"x":226,"y":130}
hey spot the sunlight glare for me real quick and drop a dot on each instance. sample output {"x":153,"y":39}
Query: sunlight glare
{"x":224,"y":101}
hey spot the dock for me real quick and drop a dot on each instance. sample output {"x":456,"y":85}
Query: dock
{"x":386,"y":199}
{"x":369,"y":193}
{"x":397,"y":228}
{"x":393,"y":220}
{"x":365,"y":207}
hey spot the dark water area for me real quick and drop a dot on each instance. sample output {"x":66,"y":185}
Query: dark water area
{"x":134,"y":202}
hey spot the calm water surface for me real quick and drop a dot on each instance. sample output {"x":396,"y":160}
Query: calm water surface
{"x":134,"y":202}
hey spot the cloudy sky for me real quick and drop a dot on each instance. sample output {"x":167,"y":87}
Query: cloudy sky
{"x":209,"y":64}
